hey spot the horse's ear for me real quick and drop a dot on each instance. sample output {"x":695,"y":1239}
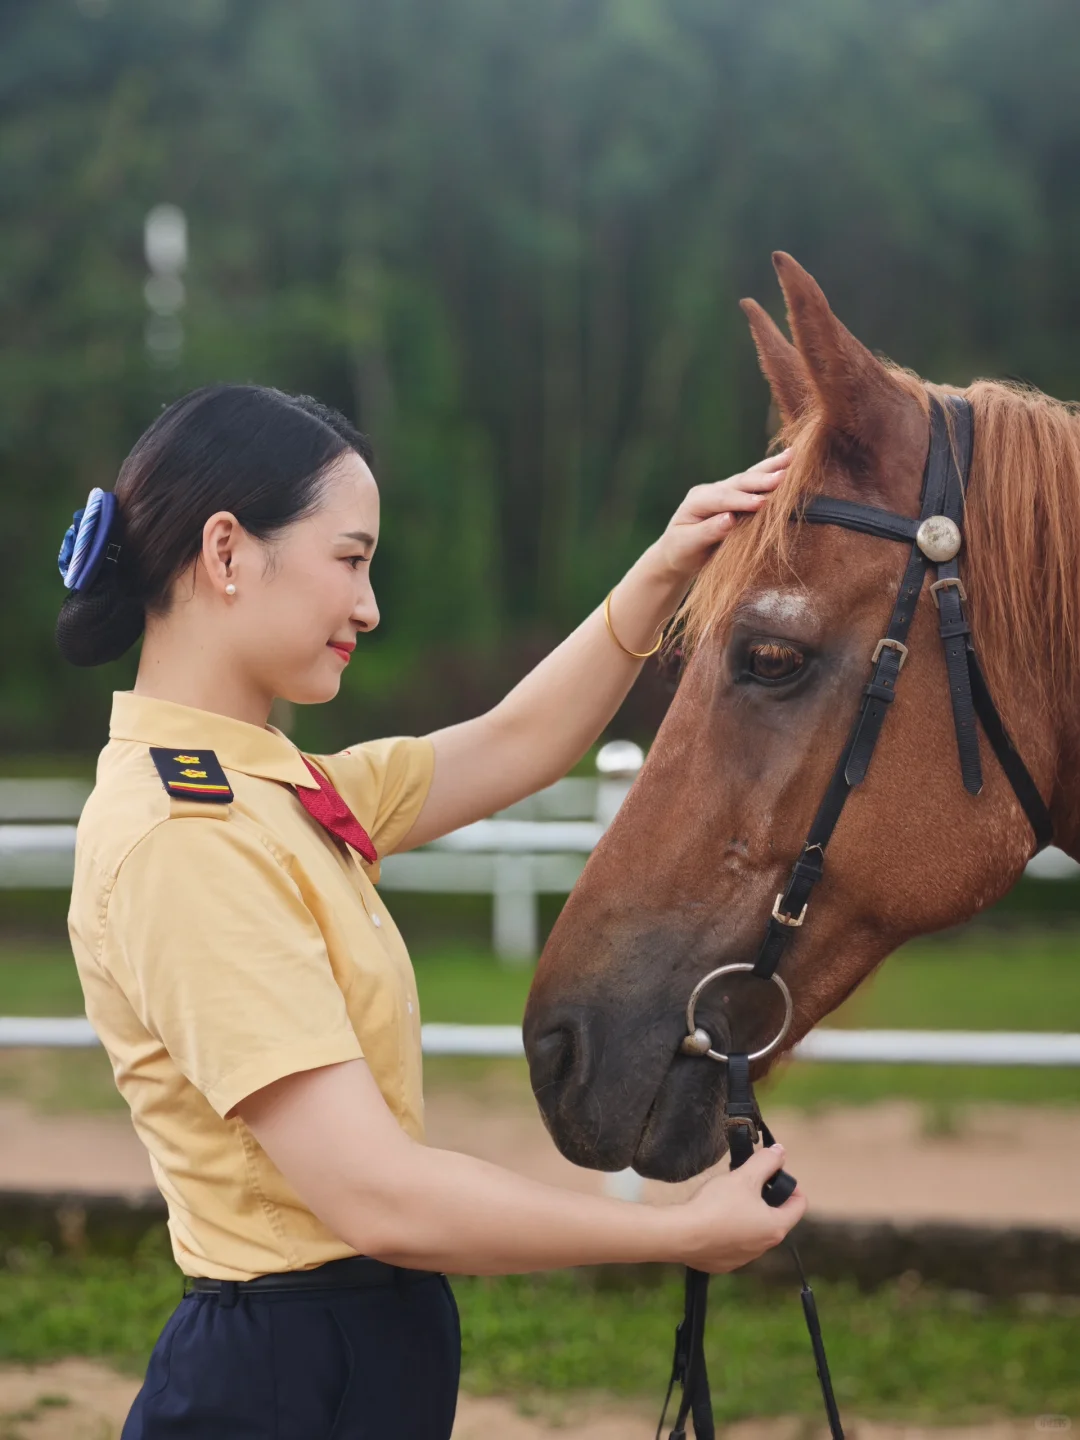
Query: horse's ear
{"x":781,"y":363}
{"x":857,"y":393}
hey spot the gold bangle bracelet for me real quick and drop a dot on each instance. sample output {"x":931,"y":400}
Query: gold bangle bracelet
{"x":634,"y":654}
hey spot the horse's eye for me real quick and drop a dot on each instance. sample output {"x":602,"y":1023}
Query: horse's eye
{"x":769,"y":660}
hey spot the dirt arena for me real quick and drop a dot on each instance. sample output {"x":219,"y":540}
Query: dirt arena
{"x":78,"y":1400}
{"x":872,"y":1162}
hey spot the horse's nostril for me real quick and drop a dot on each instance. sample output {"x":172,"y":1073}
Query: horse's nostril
{"x":559,"y":1054}
{"x":550,"y":1059}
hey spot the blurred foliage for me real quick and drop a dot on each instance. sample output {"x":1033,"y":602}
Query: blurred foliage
{"x":508,"y":239}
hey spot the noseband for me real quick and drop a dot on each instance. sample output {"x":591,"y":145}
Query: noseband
{"x":935,"y":539}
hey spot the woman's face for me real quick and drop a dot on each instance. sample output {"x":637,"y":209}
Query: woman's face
{"x":302,"y":598}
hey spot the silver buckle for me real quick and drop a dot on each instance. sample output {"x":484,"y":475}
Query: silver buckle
{"x":788,"y":919}
{"x":731,"y":1121}
{"x":896,"y":645}
{"x":955,"y":582}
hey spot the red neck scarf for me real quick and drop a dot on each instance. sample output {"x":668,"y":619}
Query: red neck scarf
{"x":329,"y":809}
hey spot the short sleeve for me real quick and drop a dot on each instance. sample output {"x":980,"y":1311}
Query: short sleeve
{"x":384,"y":783}
{"x":210,"y":939}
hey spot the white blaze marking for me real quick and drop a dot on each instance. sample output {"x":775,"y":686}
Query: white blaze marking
{"x":783,"y":607}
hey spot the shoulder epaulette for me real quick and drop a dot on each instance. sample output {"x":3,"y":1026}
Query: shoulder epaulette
{"x":192,"y":775}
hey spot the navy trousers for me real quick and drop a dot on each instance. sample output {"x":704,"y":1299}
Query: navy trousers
{"x":356,"y":1364}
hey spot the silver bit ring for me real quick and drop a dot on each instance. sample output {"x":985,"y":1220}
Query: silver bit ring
{"x":698,"y":1040}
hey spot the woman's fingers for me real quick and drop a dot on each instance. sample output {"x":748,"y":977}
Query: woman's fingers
{"x":728,"y":1221}
{"x":708,"y":514}
{"x":738,"y":492}
{"x":778,"y":461}
{"x":765,"y":475}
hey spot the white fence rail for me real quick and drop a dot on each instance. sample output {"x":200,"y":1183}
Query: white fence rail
{"x":535,"y":848}
{"x":858,"y":1047}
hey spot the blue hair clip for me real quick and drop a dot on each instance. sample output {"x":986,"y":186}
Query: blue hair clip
{"x":86,"y":544}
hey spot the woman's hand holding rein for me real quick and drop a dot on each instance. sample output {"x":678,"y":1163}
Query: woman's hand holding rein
{"x":332,"y":1136}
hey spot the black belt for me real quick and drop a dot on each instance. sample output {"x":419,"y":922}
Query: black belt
{"x":351,"y":1272}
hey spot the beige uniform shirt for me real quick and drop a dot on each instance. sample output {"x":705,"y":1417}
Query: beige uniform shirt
{"x":221,"y":947}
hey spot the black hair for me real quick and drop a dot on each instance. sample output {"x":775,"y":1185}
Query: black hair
{"x":248,"y":449}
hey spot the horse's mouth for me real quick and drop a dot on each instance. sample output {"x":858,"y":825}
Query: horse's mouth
{"x":669,"y":1125}
{"x":684,"y":1131}
{"x":616,"y":1090}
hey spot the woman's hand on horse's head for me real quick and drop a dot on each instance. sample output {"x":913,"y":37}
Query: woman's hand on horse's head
{"x":708,"y":514}
{"x":728,"y":1224}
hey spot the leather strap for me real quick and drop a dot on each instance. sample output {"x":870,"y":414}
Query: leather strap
{"x":867,"y":519}
{"x":744,"y":1124}
{"x":1019,"y":776}
{"x":955,"y":461}
{"x":942,"y":494}
{"x":688,"y":1368}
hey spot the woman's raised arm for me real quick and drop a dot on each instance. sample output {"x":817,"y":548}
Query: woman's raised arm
{"x":549,"y":720}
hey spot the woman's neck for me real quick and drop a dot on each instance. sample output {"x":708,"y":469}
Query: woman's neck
{"x":173,"y":668}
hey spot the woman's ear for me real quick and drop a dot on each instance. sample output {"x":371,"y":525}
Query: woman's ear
{"x":220,"y":535}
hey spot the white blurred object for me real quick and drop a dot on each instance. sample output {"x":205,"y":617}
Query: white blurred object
{"x":1052,"y":864}
{"x":617,"y":764}
{"x":165,"y":239}
{"x":624,"y":1185}
{"x":164,"y":294}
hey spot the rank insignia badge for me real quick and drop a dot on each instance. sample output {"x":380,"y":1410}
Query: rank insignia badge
{"x":188,"y":775}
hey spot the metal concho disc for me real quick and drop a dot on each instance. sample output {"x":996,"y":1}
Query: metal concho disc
{"x":691,"y":1006}
{"x":938,"y":538}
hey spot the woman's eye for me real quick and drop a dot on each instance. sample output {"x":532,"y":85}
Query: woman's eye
{"x":355,"y":560}
{"x":770,"y":660}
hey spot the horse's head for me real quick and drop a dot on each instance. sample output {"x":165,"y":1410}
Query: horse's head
{"x":779,"y":631}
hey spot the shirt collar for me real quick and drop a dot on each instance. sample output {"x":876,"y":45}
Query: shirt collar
{"x":251,"y":749}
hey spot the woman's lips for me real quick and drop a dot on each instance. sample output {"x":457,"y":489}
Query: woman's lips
{"x":343,"y":650}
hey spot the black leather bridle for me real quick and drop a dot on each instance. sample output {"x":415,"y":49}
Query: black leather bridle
{"x":935,"y":540}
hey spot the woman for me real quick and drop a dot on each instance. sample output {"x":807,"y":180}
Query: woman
{"x":253,"y":994}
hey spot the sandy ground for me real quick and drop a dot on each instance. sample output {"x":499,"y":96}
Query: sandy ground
{"x":79,"y":1400}
{"x":1001,"y":1165}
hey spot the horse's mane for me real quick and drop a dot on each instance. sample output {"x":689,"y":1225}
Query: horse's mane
{"x":1021,"y":557}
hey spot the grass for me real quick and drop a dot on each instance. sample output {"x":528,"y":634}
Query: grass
{"x":912,"y":1353}
{"x":1019,"y":979}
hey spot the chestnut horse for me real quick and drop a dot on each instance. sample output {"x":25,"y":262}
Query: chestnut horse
{"x":778,"y":632}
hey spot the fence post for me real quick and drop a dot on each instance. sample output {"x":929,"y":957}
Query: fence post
{"x":515,"y":921}
{"x":617,"y":764}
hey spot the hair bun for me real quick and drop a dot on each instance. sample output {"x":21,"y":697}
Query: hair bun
{"x":100,"y":623}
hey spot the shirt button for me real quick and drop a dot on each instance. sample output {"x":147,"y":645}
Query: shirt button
{"x":376,"y":921}
{"x":410,"y":1007}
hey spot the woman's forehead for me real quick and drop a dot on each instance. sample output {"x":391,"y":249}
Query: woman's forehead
{"x":350,"y":497}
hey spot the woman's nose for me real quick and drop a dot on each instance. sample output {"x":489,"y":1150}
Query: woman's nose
{"x":366,"y":611}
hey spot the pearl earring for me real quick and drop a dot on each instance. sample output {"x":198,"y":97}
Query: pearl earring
{"x":230,"y":589}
